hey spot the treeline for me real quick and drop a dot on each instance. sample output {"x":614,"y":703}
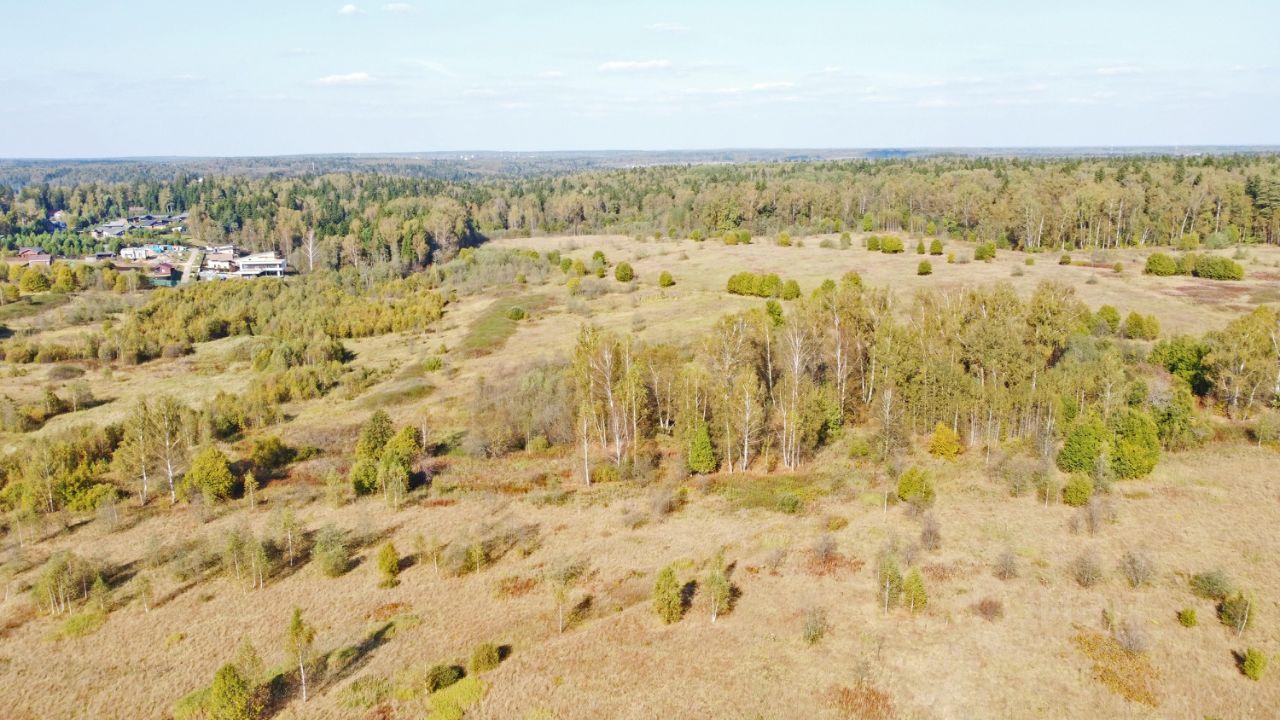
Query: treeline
{"x":336,"y":219}
{"x":769,"y":388}
{"x":345,"y":304}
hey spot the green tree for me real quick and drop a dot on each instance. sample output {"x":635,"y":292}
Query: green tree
{"x":914,"y":595}
{"x":230,"y":697}
{"x":1135,"y":448}
{"x":374,"y":435}
{"x":924,"y":268}
{"x":1085,"y":443}
{"x":623,"y":272}
{"x":935,"y":247}
{"x":667,"y":602}
{"x":389,"y":565}
{"x":944,"y":443}
{"x":719,"y":591}
{"x":701,"y":457}
{"x":210,"y":474}
{"x":298,"y":641}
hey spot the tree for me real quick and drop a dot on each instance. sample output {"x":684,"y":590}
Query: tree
{"x":944,"y":443}
{"x":935,"y":247}
{"x":719,"y":591}
{"x":389,"y":566}
{"x":1085,"y":443}
{"x":137,"y":451}
{"x":1135,"y":448}
{"x":623,"y":272}
{"x":667,"y":601}
{"x":374,"y":435}
{"x":230,"y":697}
{"x":924,"y":268}
{"x":169,"y":424}
{"x":250,"y":485}
{"x":210,"y":474}
{"x":701,"y":457}
{"x":298,"y":641}
{"x":914,"y":595}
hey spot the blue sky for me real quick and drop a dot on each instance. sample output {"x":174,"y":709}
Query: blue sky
{"x":96,"y":78}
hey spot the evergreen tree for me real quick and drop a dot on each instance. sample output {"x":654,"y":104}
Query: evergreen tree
{"x":701,"y":458}
{"x":667,"y":602}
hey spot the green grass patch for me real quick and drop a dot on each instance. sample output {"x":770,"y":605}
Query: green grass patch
{"x":452,"y":702}
{"x":397,"y":395}
{"x":29,"y":305}
{"x":781,"y":493}
{"x":496,"y":325}
{"x":81,"y":624}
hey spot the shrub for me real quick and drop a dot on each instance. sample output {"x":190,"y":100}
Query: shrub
{"x":1131,"y":636}
{"x":1086,"y":570}
{"x":364,"y":476}
{"x":815,"y":625}
{"x":891,"y":245}
{"x":1211,"y":585}
{"x":667,"y":601}
{"x":624,"y":272}
{"x":920,"y":250}
{"x":1083,"y":446}
{"x":924,"y":268}
{"x":1141,"y":327}
{"x":985,"y":251}
{"x":945,"y":443}
{"x":790,"y":290}
{"x":665,"y":279}
{"x":1214,"y":267}
{"x":1135,"y":448}
{"x":888,"y":580}
{"x":516,"y":313}
{"x":230,"y":696}
{"x":1077,"y":491}
{"x":873,"y":243}
{"x":935,"y":247}
{"x":1006,"y":566}
{"x":1236,"y":612}
{"x":914,"y":595}
{"x":1137,"y":569}
{"x":989,"y":609}
{"x":1109,"y":316}
{"x":914,"y":486}
{"x":1187,"y":617}
{"x":1161,"y":265}
{"x":485,"y":657}
{"x":331,"y":552}
{"x":790,"y":503}
{"x":1253,"y":664}
{"x":700,"y":458}
{"x":1065,"y":259}
{"x":442,"y":676}
{"x":210,"y":475}
{"x":930,"y":533}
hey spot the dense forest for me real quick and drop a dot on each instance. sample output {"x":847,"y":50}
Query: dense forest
{"x":355,"y":218}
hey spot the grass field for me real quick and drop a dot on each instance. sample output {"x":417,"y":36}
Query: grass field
{"x":1032,"y":646}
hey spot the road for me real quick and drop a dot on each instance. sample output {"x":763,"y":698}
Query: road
{"x":192,"y":267}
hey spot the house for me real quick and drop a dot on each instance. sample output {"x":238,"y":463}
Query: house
{"x":220,"y":250}
{"x":30,"y":257}
{"x":135,"y":254}
{"x":259,"y":264}
{"x":162,"y":275}
{"x":99,"y":257}
{"x":224,"y":261}
{"x":113,"y":229}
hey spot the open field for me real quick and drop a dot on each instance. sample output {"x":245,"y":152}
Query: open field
{"x":1201,"y":509}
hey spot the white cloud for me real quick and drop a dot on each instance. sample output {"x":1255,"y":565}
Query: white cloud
{"x":354,"y":78}
{"x":764,"y":86}
{"x":669,"y":27}
{"x":398,"y":7}
{"x":634,"y":65}
{"x":348,"y":9}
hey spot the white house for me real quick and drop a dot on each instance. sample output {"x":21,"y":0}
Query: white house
{"x":135,"y":254}
{"x":259,"y":264}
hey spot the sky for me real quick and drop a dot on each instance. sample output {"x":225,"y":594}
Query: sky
{"x":116,"y":78}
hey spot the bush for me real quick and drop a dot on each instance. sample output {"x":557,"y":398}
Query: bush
{"x":389,"y":565}
{"x":815,"y":625}
{"x":1187,"y":617}
{"x":1077,"y":491}
{"x":210,"y":475}
{"x":364,"y":476}
{"x":924,"y":268}
{"x":485,"y":657}
{"x":1253,"y":664}
{"x":1236,"y":612}
{"x":1065,"y":259}
{"x":915,"y":487}
{"x":873,"y":243}
{"x":985,"y":251}
{"x":1211,"y":585}
{"x":920,"y":249}
{"x":442,"y":676}
{"x":790,"y":290}
{"x":1006,"y":566}
{"x":1110,"y":318}
{"x":667,"y":601}
{"x":790,"y":503}
{"x":1086,"y":570}
{"x":623,"y":272}
{"x":1214,"y":267}
{"x":516,"y":313}
{"x":891,"y":244}
{"x":1137,"y":569}
{"x":1135,"y":449}
{"x":935,"y":247}
{"x":1141,"y":327}
{"x":1083,"y":446}
{"x":1161,"y":265}
{"x":331,"y":552}
{"x":665,"y":279}
{"x":989,"y":609}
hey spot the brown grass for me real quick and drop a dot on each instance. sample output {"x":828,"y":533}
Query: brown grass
{"x":1129,"y":674}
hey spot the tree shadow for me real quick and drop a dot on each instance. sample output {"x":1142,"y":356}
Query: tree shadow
{"x":686,"y":595}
